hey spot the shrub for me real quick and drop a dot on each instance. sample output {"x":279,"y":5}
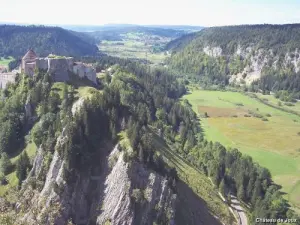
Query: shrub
{"x":3,"y":180}
{"x":268,"y":115}
{"x":289,"y":104}
{"x":137,"y":195}
{"x":264,"y":119}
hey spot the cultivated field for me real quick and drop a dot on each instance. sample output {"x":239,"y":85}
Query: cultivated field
{"x":271,"y":136}
{"x":135,"y":45}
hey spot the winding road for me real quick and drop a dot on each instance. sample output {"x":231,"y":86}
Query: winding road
{"x":236,"y":206}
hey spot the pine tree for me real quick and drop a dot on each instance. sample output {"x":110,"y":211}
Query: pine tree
{"x":23,"y":164}
{"x":241,"y":193}
{"x":5,"y":164}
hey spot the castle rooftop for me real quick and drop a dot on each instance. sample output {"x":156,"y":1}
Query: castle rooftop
{"x":30,"y":55}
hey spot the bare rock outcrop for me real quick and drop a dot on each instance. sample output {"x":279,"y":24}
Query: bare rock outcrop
{"x":107,"y":196}
{"x":255,"y":60}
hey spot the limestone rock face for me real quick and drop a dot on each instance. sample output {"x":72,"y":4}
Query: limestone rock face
{"x":37,"y":164}
{"x":105,"y":197}
{"x":256,"y":59}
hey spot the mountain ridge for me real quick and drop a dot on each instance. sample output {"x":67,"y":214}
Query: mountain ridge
{"x":15,"y":40}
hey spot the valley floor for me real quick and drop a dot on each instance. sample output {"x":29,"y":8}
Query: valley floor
{"x":269,"y":135}
{"x":133,"y":46}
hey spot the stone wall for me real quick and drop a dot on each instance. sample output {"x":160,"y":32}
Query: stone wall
{"x":42,"y":63}
{"x":59,"y":68}
{"x":6,"y":78}
{"x":83,"y":70}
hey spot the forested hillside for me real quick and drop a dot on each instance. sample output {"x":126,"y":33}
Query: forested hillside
{"x":242,"y":54}
{"x":16,"y":40}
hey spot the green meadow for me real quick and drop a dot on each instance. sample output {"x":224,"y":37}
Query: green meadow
{"x":269,"y":135}
{"x":270,"y":99}
{"x":136,"y":45}
{"x":5,"y":61}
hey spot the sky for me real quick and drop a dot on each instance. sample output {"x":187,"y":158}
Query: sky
{"x":164,"y":12}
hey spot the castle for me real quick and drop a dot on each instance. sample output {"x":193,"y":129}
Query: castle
{"x":58,"y":66}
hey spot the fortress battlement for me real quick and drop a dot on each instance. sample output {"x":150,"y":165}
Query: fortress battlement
{"x":57,"y":66}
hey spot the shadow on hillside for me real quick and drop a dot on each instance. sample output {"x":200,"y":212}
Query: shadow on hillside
{"x":191,"y":209}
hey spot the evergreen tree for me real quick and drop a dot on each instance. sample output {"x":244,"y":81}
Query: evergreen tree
{"x":5,"y":164}
{"x":22,"y":165}
{"x":241,"y":193}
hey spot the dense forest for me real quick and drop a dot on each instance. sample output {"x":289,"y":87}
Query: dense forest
{"x":16,"y":40}
{"x":274,"y":46}
{"x":280,"y":38}
{"x":139,"y":100}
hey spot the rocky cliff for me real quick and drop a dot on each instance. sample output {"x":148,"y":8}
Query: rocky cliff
{"x":122,"y":193}
{"x":242,"y":53}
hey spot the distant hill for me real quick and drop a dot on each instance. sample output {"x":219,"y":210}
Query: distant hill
{"x":16,"y":40}
{"x":114,"y":33}
{"x":92,"y":28}
{"x":267,"y":55}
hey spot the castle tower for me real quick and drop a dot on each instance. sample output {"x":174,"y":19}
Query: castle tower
{"x":29,"y":62}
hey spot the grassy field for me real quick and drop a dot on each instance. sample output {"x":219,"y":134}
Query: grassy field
{"x":270,"y":99}
{"x":135,"y":45}
{"x":5,"y":62}
{"x":273,"y":143}
{"x":12,"y":177}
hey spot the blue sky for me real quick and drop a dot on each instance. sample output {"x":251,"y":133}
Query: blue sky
{"x":188,"y":12}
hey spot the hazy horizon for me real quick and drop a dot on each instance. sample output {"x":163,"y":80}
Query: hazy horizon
{"x":190,"y":13}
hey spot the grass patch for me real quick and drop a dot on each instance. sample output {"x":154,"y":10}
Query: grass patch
{"x":272,"y":141}
{"x":274,"y":101}
{"x":12,"y":177}
{"x":5,"y":61}
{"x":134,"y":46}
{"x":295,"y":194}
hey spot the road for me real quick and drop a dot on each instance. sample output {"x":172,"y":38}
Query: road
{"x":236,"y":206}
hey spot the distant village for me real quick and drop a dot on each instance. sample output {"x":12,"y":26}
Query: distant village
{"x":58,"y":66}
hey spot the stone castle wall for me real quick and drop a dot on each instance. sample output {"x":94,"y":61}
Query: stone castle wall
{"x":58,"y":67}
{"x":6,"y":78}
